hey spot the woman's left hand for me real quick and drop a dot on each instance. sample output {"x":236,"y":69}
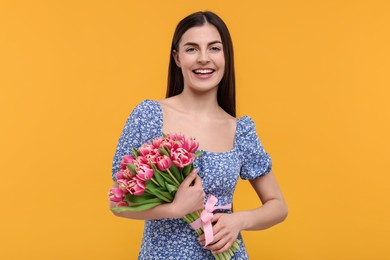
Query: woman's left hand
{"x":226,"y":228}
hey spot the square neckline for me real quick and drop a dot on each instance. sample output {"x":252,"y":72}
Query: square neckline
{"x":161,"y":125}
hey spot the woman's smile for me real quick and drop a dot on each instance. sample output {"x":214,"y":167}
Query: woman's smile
{"x":201,"y":58}
{"x":203,"y":73}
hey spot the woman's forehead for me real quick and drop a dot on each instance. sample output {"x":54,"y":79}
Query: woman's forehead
{"x":201,"y":35}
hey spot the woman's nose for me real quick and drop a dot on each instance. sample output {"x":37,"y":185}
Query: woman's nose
{"x":203,"y":57}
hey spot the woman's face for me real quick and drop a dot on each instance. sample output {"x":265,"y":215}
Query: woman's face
{"x":200,"y":57}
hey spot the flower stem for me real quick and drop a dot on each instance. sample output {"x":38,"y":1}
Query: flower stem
{"x":173,"y":177}
{"x":155,"y":182}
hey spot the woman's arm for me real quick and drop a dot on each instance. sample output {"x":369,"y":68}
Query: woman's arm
{"x":272,"y":212}
{"x":274,"y":209}
{"x":188,"y":198}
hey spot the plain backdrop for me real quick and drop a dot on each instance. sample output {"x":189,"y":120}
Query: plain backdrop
{"x":314,"y":75}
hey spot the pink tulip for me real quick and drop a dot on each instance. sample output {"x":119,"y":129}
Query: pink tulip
{"x":176,"y":145}
{"x":122,"y":184}
{"x":190,"y":145}
{"x":144,"y":172}
{"x":145,"y":149}
{"x":116,"y":194}
{"x":181,"y":157}
{"x":122,"y":204}
{"x":166,"y":143}
{"x":119,"y":175}
{"x":157,"y":142}
{"x":124,"y":174}
{"x":136,"y":187}
{"x":141,"y":160}
{"x":128,"y":174}
{"x":125,"y":160}
{"x":163,"y":162}
{"x":178,"y":137}
{"x":152,"y":156}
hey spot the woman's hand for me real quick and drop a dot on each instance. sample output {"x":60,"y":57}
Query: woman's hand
{"x":226,"y":228}
{"x":190,"y":195}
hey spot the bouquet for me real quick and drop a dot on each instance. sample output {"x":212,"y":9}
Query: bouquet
{"x":152,"y":175}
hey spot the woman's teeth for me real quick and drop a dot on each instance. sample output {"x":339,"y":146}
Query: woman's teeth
{"x":203,"y":71}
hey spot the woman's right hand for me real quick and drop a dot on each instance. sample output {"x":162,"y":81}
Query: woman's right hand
{"x":189,"y":198}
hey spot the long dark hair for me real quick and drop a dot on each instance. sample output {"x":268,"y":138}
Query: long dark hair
{"x":226,"y":95}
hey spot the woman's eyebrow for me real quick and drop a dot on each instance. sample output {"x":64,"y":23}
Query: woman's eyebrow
{"x":195,"y":44}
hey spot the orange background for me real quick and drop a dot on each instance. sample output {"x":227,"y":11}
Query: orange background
{"x":314,"y":75}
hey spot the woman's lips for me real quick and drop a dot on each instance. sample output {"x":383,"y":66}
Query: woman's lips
{"x":203,"y":73}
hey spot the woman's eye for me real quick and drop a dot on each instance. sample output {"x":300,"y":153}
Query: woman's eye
{"x":215,"y":49}
{"x":191,"y":49}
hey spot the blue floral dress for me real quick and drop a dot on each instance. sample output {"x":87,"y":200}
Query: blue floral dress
{"x":174,"y":238}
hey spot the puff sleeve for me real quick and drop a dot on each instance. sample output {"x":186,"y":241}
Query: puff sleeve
{"x":256,"y":161}
{"x":141,"y":126}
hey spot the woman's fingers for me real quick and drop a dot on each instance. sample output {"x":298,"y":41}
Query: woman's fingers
{"x":224,"y":232}
{"x":221,"y":242}
{"x":190,"y":195}
{"x":190,"y":178}
{"x":197,"y":182}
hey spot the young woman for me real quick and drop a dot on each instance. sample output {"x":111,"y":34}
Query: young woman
{"x":200,"y":103}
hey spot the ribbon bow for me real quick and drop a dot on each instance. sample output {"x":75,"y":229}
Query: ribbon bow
{"x":206,"y":216}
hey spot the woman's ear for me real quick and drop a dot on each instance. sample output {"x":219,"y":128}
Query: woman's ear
{"x":175,"y":55}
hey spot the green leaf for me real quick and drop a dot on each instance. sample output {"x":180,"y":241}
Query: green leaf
{"x":162,"y":197}
{"x":135,"y":152}
{"x":136,"y":208}
{"x":131,"y":168}
{"x":158,"y":177}
{"x":164,"y":151}
{"x":150,"y":187}
{"x":140,"y":199}
{"x":167,"y":178}
{"x":139,"y":202}
{"x":163,"y":134}
{"x":165,"y":194}
{"x":176,"y":173}
{"x":171,"y":188}
{"x":198,"y":153}
{"x":188,"y":169}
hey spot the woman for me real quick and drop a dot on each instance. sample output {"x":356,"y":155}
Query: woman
{"x":200,"y":103}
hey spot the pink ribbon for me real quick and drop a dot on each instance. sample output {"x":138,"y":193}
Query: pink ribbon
{"x":205,"y":218}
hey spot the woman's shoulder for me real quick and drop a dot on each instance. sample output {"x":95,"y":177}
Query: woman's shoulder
{"x":167,"y":103}
{"x":146,"y":119}
{"x":146,"y":105}
{"x":245,"y":124}
{"x":146,"y":110}
{"x":246,"y":129}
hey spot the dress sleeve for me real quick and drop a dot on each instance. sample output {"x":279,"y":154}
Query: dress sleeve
{"x":130,"y":137}
{"x":256,"y":161}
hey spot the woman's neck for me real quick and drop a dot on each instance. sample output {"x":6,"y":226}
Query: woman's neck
{"x":201,"y":104}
